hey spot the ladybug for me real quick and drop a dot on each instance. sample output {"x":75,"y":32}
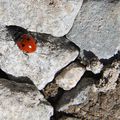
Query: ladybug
{"x":24,"y":40}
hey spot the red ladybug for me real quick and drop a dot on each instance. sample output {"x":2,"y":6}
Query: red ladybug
{"x":27,"y":43}
{"x":24,"y":40}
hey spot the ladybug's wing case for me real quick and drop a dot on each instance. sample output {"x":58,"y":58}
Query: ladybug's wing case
{"x":16,"y":31}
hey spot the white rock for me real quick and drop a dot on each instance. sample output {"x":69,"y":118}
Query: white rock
{"x":95,"y":67}
{"x":54,"y":17}
{"x":52,"y":54}
{"x":20,"y":101}
{"x":69,"y":77}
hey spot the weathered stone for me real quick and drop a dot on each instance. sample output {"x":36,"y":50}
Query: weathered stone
{"x":68,"y":118}
{"x":51,"y":90}
{"x":90,"y":100}
{"x":97,"y":28}
{"x":20,"y":101}
{"x":91,"y":61}
{"x":76,"y":96}
{"x":69,"y":77}
{"x":95,"y":67}
{"x":99,"y":106}
{"x":110,"y":76}
{"x":54,"y":17}
{"x":40,"y":66}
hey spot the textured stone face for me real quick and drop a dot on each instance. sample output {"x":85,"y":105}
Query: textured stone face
{"x":52,"y":54}
{"x":76,"y":96}
{"x":20,"y":101}
{"x":54,"y":17}
{"x":95,"y":67}
{"x":97,"y":28}
{"x":110,"y":76}
{"x":68,"y":118}
{"x":70,"y":76}
{"x":99,"y":106}
{"x":93,"y":98}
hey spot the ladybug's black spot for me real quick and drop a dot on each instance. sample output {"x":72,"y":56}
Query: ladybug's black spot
{"x":23,"y":45}
{"x":36,"y":42}
{"x":28,"y":39}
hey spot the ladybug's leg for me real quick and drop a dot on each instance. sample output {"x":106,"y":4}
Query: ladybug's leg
{"x":26,"y":55}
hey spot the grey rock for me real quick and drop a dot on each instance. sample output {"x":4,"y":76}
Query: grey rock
{"x":20,"y":101}
{"x":69,"y":77}
{"x":95,"y":66}
{"x":97,"y":28}
{"x":76,"y":96}
{"x":110,"y":76}
{"x":99,"y":106}
{"x":87,"y":90}
{"x":69,"y":118}
{"x":51,"y":90}
{"x":91,"y":61}
{"x":40,"y":66}
{"x":54,"y":17}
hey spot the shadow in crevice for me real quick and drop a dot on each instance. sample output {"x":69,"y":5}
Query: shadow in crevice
{"x":110,"y":60}
{"x":89,"y":54}
{"x":21,"y":79}
{"x":9,"y":77}
{"x":3,"y":74}
{"x":60,"y":115}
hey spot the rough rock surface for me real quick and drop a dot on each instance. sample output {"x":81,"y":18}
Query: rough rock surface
{"x":20,"y":101}
{"x":68,"y":118}
{"x":40,"y":66}
{"x":54,"y":17}
{"x":93,"y":98}
{"x":69,"y":77}
{"x":50,"y":90}
{"x":76,"y":96}
{"x":110,"y":76}
{"x":101,"y":106}
{"x":97,"y":28}
{"x":95,"y":66}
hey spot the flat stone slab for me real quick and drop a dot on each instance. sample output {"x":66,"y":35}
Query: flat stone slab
{"x":52,"y":55}
{"x":54,"y":17}
{"x":70,"y":76}
{"x":97,"y":28}
{"x":20,"y":101}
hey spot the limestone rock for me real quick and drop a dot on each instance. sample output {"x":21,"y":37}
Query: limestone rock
{"x":20,"y":101}
{"x":68,"y":118}
{"x":69,"y":77}
{"x":93,"y":98}
{"x":91,"y":61}
{"x":97,"y":28}
{"x":40,"y":66}
{"x":99,"y":106}
{"x":54,"y":17}
{"x":76,"y":96}
{"x":95,"y":67}
{"x":110,"y":76}
{"x":50,"y":90}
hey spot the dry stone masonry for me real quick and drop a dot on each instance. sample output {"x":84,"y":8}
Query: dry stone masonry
{"x":74,"y":74}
